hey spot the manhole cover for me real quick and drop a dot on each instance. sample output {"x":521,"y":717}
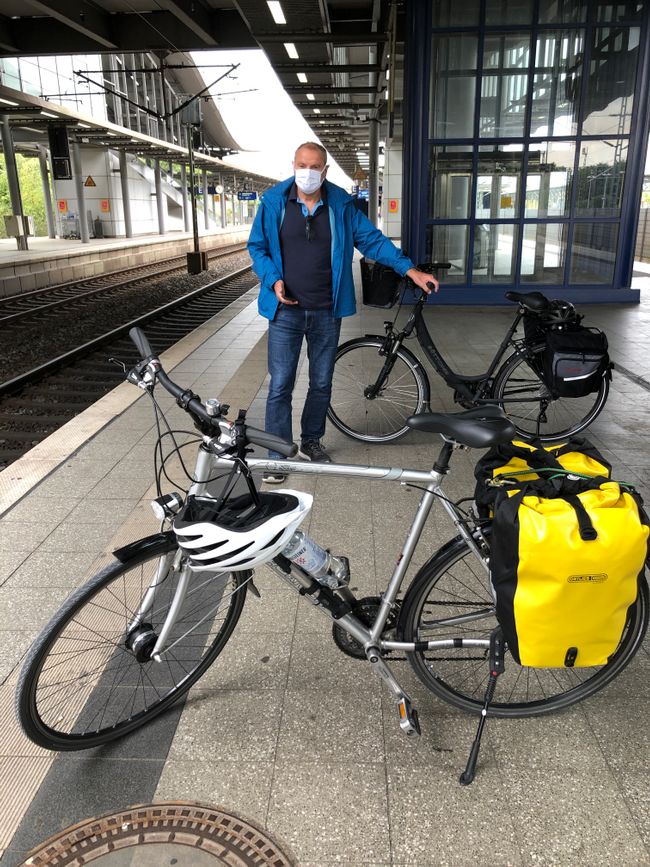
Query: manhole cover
{"x":158,"y":835}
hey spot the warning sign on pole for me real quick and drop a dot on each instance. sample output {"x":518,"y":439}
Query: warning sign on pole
{"x":104,"y":205}
{"x":393,"y":206}
{"x":62,"y":206}
{"x":89,"y":182}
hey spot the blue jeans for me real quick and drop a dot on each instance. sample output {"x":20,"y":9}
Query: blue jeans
{"x":286,"y":333}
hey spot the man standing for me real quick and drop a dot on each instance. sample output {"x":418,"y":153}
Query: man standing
{"x":302,"y":244}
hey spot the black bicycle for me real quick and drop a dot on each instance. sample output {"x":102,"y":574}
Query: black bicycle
{"x":378,"y":383}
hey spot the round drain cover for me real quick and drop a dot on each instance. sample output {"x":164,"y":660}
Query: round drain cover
{"x":162,"y":835}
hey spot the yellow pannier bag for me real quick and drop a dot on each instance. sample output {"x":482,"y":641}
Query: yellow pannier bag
{"x":566,"y":556}
{"x":510,"y":464}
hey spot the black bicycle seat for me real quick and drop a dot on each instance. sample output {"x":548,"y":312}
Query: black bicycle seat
{"x":534,"y":301}
{"x":479,"y":428}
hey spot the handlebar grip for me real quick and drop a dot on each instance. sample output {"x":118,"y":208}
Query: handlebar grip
{"x":142,"y":344}
{"x":269,"y":441}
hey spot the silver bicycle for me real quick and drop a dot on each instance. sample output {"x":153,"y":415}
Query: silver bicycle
{"x":141,"y":632}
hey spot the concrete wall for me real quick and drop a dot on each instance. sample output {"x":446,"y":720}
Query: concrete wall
{"x":392,"y":189}
{"x":33,"y":270}
{"x":103,"y":167}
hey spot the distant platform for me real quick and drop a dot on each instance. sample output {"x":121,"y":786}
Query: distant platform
{"x":59,"y":260}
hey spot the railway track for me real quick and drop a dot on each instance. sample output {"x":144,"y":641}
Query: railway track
{"x":37,"y":402}
{"x":31,"y":304}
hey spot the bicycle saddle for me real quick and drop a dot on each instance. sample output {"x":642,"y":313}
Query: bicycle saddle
{"x":479,"y":428}
{"x":534,"y":301}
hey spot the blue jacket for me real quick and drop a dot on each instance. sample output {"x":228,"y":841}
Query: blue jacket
{"x":350,"y":229}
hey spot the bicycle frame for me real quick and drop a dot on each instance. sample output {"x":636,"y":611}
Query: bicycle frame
{"x":454,"y":380}
{"x":368,"y":637}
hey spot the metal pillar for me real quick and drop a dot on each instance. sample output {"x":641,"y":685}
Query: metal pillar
{"x":159,"y":197}
{"x":47,"y":193}
{"x":214,"y":209}
{"x":12,"y":177}
{"x":373,"y":169}
{"x":187,"y":223}
{"x":126,"y":196}
{"x":195,"y":223}
{"x":224,"y":216}
{"x":81,"y":192}
{"x":206,"y":215}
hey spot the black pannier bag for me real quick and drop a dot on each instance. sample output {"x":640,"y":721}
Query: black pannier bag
{"x":380,"y":285}
{"x":575,"y":361}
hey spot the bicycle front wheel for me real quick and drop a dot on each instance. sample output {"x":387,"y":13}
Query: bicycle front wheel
{"x":532,"y":408}
{"x":400,"y":391}
{"x":454,"y":583}
{"x":90,"y":678}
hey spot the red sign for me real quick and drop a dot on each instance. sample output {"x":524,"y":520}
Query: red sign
{"x":62,"y":205}
{"x":104,"y":205}
{"x":393,"y":206}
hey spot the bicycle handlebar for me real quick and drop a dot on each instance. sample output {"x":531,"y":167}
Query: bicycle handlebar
{"x":195,"y":407}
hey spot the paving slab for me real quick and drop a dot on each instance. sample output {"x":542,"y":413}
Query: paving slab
{"x":285,"y":728}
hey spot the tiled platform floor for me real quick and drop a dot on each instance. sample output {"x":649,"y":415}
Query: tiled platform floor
{"x":286,"y":729}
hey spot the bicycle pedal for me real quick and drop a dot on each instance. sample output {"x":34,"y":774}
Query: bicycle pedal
{"x":408,"y":718}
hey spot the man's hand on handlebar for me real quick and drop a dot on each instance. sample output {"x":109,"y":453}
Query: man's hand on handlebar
{"x":424,"y":281}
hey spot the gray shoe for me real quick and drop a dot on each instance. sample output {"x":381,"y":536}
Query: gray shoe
{"x":312,"y":450}
{"x":272,"y":478}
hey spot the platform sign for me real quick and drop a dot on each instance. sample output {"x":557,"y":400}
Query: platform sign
{"x":89,"y":182}
{"x":62,"y":206}
{"x":104,"y":205}
{"x":363,"y":194}
{"x":246,"y":196}
{"x":393,"y":206}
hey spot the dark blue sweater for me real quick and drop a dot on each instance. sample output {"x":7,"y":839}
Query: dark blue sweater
{"x":306,"y":244}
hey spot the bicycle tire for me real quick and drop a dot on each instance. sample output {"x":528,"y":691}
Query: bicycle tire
{"x":460,"y":677}
{"x":383,"y":418}
{"x":565,"y":416}
{"x":81,"y":686}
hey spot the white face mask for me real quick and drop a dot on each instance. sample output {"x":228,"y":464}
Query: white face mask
{"x":308,"y":180}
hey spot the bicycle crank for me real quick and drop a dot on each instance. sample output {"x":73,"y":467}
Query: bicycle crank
{"x":366,"y":610}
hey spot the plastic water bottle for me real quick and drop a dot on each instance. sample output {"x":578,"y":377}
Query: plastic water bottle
{"x":315,"y":561}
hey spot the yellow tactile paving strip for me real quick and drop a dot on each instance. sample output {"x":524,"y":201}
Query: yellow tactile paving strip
{"x":20,"y":759}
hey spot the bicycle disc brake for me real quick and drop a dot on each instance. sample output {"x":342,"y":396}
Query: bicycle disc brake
{"x":366,"y":609}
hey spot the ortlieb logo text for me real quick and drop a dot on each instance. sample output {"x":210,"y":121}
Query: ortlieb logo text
{"x":587,"y":579}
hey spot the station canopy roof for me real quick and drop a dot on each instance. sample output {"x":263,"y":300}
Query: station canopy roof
{"x":332,"y":56}
{"x":29,"y":118}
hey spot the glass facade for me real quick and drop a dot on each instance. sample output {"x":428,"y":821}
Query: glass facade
{"x":531,"y":120}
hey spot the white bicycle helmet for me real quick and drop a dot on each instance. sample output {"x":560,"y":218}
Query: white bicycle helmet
{"x":239,"y":535}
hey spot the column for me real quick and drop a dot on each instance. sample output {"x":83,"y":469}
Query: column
{"x":222,"y":201}
{"x":204,"y":183}
{"x":159,"y":197}
{"x":81,"y":192}
{"x":126,"y":196}
{"x":187,"y":222}
{"x":12,"y":177}
{"x":47,"y":192}
{"x":373,"y":170}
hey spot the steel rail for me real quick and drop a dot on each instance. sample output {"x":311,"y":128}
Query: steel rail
{"x":111,"y":287}
{"x":14,"y":385}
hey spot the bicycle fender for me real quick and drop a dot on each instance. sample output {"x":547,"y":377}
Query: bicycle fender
{"x":142,"y":546}
{"x":357,"y":339}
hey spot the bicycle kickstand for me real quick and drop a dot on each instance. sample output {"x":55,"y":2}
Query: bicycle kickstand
{"x":496,"y":668}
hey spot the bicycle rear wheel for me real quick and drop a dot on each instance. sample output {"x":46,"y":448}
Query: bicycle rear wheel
{"x":526,"y":400}
{"x":454,"y":583}
{"x":82,"y":686}
{"x":401,"y":394}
